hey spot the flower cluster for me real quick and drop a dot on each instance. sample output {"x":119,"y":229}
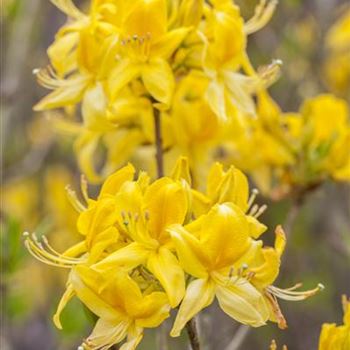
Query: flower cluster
{"x":297,"y":151}
{"x":149,"y":246}
{"x":117,"y":63}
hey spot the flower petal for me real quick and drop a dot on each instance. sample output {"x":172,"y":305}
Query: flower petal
{"x":154,"y":309}
{"x":114,"y":182}
{"x":169,"y":42}
{"x":166,"y":268}
{"x":159,"y":80}
{"x":243,"y":303}
{"x":121,"y":75}
{"x":199,"y":294}
{"x":128,"y":257}
{"x":66,"y":297}
{"x":189,"y":251}
{"x":166,"y":202}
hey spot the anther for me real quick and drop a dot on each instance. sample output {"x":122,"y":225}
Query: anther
{"x":147,"y":217}
{"x":36,"y":71}
{"x":321,"y":287}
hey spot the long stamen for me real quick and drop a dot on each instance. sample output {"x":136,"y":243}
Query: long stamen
{"x":43,"y":252}
{"x":72,"y":196}
{"x":291,"y":294}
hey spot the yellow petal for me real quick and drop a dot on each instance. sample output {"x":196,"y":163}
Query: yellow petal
{"x":128,"y":257}
{"x":133,"y":339}
{"x":169,"y":42}
{"x":256,"y":228}
{"x":166,"y":202}
{"x":215,"y":178}
{"x":234,"y":188}
{"x":191,"y":256}
{"x":66,"y":297}
{"x":159,"y":80}
{"x":147,"y":16}
{"x":240,"y":88}
{"x":62,"y":54}
{"x":243,"y":303}
{"x":70,"y":93}
{"x":90,"y":297}
{"x":106,"y":333}
{"x":93,"y":109}
{"x":215,"y":96}
{"x":165,"y":267}
{"x":114,"y":182}
{"x":121,"y":75}
{"x":85,"y":147}
{"x":120,"y":145}
{"x":225,"y":235}
{"x":101,"y":242}
{"x":154,"y":309}
{"x":200,"y":203}
{"x":100,"y":216}
{"x":181,"y":170}
{"x":199,"y":294}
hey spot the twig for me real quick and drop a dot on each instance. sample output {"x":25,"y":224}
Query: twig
{"x":192,"y":332}
{"x":158,"y":143}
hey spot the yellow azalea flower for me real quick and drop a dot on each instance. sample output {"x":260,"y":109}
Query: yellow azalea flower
{"x":337,"y":337}
{"x":262,"y":266}
{"x":229,"y":186}
{"x":230,"y":92}
{"x":145,"y":47}
{"x":144,"y":215}
{"x":208,"y":248}
{"x":325,"y":145}
{"x":195,"y":127}
{"x":123,"y":310}
{"x":338,"y":55}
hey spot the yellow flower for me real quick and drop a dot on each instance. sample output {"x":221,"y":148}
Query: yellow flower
{"x":337,"y":337}
{"x":208,"y":248}
{"x":145,"y":47}
{"x":229,"y":186}
{"x":229,"y":92}
{"x":123,"y":310}
{"x":144,"y":215}
{"x":338,"y":55}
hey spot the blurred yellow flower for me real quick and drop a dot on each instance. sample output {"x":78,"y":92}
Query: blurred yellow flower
{"x":337,"y":337}
{"x":338,"y":55}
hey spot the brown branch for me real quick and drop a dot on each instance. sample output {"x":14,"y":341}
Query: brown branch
{"x":192,"y":332}
{"x":158,"y":143}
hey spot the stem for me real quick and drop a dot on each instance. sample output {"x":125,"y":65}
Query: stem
{"x":192,"y":332}
{"x":158,"y":143}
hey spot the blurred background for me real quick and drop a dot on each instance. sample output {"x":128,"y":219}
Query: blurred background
{"x":37,"y":164}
